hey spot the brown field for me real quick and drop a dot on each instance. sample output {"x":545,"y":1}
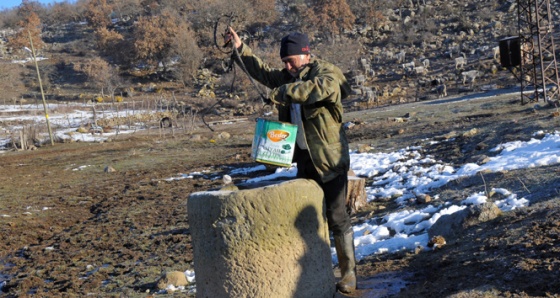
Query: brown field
{"x":71,"y":229}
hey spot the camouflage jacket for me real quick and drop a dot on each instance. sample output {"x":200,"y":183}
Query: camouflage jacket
{"x":320,"y":88}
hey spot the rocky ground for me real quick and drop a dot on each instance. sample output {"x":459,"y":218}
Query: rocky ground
{"x":71,"y":228}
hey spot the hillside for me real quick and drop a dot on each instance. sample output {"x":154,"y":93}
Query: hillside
{"x":431,"y":34}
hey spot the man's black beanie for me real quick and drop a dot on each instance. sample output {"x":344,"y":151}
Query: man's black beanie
{"x":294,"y":44}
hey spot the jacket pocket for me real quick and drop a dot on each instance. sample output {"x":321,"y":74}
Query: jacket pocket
{"x":333,"y":157}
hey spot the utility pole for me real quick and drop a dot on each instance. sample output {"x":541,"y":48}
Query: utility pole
{"x":45,"y":108}
{"x":538,"y":58}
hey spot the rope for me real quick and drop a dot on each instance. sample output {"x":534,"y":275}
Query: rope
{"x":232,"y":49}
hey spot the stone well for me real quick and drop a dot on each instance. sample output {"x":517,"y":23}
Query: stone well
{"x":269,"y":241}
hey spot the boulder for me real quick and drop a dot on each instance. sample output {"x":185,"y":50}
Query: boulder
{"x":267,"y":241}
{"x":450,"y":226}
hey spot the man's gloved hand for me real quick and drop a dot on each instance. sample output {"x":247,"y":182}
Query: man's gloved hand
{"x":277,"y":95}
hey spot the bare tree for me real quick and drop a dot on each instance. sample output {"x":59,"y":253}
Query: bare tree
{"x":101,"y":74}
{"x":8,"y":18}
{"x":128,"y":9}
{"x":330,"y":17}
{"x":153,"y":37}
{"x":30,"y":24}
{"x":107,"y":39}
{"x":62,"y":13}
{"x":189,"y":54}
{"x":369,"y":12}
{"x":114,"y":46}
{"x":248,"y":14}
{"x":98,"y":13}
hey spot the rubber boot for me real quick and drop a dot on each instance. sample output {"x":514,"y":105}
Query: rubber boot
{"x":344,"y":245}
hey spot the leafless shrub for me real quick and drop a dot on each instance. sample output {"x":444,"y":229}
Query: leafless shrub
{"x":62,"y":13}
{"x":100,"y":73}
{"x":189,"y":53}
{"x":97,"y":13}
{"x":9,"y":18}
{"x":27,"y":137}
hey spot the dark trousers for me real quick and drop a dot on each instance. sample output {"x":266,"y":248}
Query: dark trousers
{"x":338,"y":215}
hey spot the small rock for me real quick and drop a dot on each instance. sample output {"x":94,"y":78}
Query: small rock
{"x":479,"y":159}
{"x":481,"y":146}
{"x":226,"y":179}
{"x":174,"y":278}
{"x":436,"y":242}
{"x":423,"y":198}
{"x":483,"y":160}
{"x":446,"y":136}
{"x":109,"y":169}
{"x":82,"y":129}
{"x":224,"y":135}
{"x":470,"y":133}
{"x":364,"y":148}
{"x":349,"y":125}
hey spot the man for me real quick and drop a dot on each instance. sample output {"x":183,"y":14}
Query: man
{"x":309,"y":93}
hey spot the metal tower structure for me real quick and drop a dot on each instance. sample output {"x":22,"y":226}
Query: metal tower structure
{"x":538,"y":67}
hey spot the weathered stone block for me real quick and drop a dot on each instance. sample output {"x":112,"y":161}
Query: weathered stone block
{"x":269,"y":241}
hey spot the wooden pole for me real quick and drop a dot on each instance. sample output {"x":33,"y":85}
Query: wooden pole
{"x":41,"y":86}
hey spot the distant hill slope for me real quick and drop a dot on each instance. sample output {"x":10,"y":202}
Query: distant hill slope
{"x":430,"y":34}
